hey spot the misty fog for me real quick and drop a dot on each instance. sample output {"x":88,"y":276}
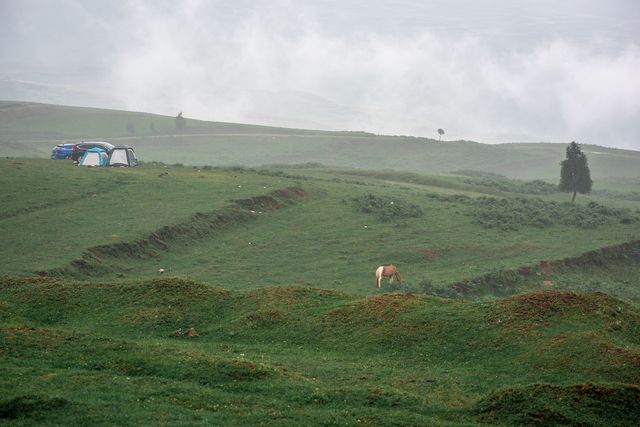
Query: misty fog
{"x":490,"y":71}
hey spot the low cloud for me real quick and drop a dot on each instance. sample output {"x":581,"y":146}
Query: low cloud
{"x":293,"y":64}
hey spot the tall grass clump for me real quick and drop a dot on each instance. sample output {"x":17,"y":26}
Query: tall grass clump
{"x":511,"y":214}
{"x":386,"y":209}
{"x":497,"y":182}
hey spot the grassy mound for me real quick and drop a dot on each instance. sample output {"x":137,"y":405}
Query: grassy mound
{"x":548,"y":404}
{"x":545,"y":303}
{"x":103,"y":259}
{"x":375,"y":310}
{"x":283,"y":355}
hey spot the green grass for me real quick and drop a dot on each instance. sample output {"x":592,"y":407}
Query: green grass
{"x":322,"y":240}
{"x":30,"y":130}
{"x":61,"y":209}
{"x":107,"y":353}
{"x":273,"y":267}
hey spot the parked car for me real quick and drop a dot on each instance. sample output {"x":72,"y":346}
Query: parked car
{"x":84,"y":146}
{"x":63,"y":151}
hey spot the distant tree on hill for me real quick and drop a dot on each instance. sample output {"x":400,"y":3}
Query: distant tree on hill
{"x":574,"y":172}
{"x":181,"y":123}
{"x":440,"y":132}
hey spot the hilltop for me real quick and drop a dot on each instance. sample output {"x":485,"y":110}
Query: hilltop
{"x":30,"y":130}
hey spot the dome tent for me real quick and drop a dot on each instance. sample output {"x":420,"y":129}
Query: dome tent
{"x":122,"y":155}
{"x":94,"y":157}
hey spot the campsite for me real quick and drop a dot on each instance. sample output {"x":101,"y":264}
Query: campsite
{"x":118,"y":155}
{"x":274,"y":269}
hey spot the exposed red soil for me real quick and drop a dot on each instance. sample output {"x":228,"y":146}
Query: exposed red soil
{"x":290,"y":193}
{"x":543,"y":303}
{"x":385,"y":307}
{"x":274,"y":200}
{"x":23,"y":330}
{"x":621,"y":356}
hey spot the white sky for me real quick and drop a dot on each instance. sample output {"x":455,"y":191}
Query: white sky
{"x":484,"y":70}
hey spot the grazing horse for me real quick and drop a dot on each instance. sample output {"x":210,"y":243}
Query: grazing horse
{"x":389,"y":271}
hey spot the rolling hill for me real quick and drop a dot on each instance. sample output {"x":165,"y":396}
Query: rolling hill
{"x":206,"y":290}
{"x":240,"y":228}
{"x":30,"y":130}
{"x":117,"y":353}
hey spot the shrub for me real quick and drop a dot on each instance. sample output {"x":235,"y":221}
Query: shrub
{"x":24,"y":406}
{"x":511,"y":214}
{"x":497,"y":282}
{"x":501,"y":183}
{"x":387,"y":209}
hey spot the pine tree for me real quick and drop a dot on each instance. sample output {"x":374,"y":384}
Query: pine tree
{"x":574,"y":172}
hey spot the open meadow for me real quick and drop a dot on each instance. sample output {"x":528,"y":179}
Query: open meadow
{"x":31,"y":129}
{"x":516,"y":307}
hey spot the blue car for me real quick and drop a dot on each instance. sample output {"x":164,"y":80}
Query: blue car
{"x":63,"y":151}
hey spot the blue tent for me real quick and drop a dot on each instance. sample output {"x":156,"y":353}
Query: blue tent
{"x":94,"y":157}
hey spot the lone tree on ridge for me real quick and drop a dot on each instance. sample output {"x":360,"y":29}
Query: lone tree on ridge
{"x":574,"y":172}
{"x":440,"y":132}
{"x":181,"y":123}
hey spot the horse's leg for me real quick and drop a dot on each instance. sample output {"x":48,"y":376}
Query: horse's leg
{"x":379,"y":275}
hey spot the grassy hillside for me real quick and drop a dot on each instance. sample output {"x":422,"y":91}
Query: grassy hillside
{"x":26,"y":120}
{"x":30,"y":130}
{"x":516,"y":307}
{"x":112,"y":354}
{"x":232,"y":228}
